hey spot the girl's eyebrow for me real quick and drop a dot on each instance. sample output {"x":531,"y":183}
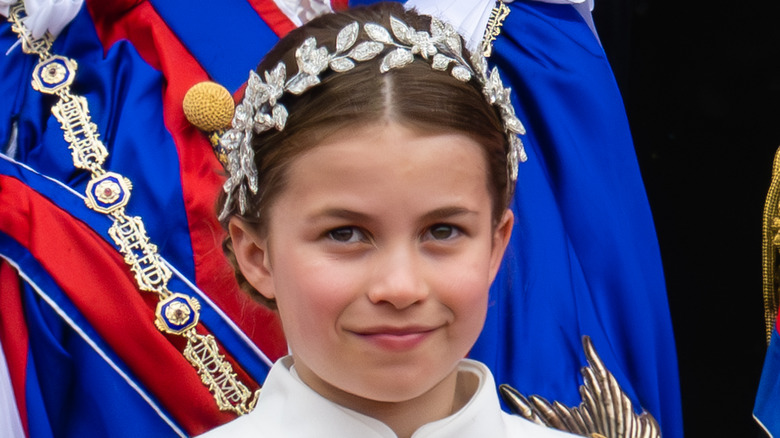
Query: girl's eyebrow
{"x":339,"y":213}
{"x":351,"y":215}
{"x":448,"y":213}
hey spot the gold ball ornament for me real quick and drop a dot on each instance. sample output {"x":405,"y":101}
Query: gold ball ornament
{"x":209,"y":106}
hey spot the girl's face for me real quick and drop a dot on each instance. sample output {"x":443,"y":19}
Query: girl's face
{"x":380,"y":252}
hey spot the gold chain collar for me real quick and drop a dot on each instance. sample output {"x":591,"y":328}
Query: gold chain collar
{"x":108,"y":193}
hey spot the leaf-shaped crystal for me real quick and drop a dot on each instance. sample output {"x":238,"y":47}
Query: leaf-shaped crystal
{"x":279,"y":115}
{"x":453,"y":43}
{"x":496,"y":78}
{"x":401,"y":30}
{"x":437,"y":28}
{"x":396,"y":59}
{"x":241,"y":116}
{"x":230,"y":183}
{"x":311,"y":60}
{"x":347,"y":37}
{"x":518,"y":145}
{"x":512,"y":158}
{"x":227,"y":187}
{"x":252,"y":177}
{"x":422,"y":44}
{"x":242,"y":199}
{"x":378,"y":33}
{"x":231,"y":139}
{"x":301,"y":83}
{"x":493,"y":88}
{"x":258,"y":94}
{"x":275,"y":82}
{"x":513,"y":124}
{"x":234,"y":170}
{"x":504,"y":100}
{"x":451,"y":38}
{"x":480,"y":65}
{"x":341,"y":64}
{"x":263,"y":122}
{"x":461,"y":73}
{"x":252,"y":85}
{"x":366,"y":50}
{"x":247,"y":162}
{"x":440,"y":62}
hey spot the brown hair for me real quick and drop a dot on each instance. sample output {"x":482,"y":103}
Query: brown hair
{"x":415,"y":96}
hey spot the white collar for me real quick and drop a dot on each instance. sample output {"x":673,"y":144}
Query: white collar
{"x":287,"y":407}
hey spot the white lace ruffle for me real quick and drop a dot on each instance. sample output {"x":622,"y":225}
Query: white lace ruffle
{"x":45,"y":15}
{"x":302,"y":11}
{"x":470,"y":17}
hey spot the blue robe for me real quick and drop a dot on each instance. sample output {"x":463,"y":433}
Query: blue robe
{"x":583,"y":258}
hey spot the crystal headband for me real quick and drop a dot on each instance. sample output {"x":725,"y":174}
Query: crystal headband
{"x":260,"y":111}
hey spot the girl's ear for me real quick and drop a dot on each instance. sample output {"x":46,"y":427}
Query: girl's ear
{"x":252,"y":256}
{"x":501,"y":237}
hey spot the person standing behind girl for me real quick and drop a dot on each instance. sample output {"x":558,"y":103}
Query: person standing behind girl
{"x":371,"y":163}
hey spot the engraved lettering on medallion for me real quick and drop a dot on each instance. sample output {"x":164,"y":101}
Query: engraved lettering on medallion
{"x":81,"y":135}
{"x":230,"y":393}
{"x":493,"y":29}
{"x":130,"y":236}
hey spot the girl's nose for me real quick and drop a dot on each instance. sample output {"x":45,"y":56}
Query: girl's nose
{"x":397,"y":278}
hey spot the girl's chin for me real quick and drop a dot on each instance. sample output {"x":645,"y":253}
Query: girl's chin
{"x":401,"y":387}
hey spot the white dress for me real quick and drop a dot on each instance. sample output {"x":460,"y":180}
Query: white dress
{"x":287,"y":407}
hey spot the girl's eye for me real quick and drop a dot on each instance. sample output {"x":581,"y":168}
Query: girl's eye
{"x":443,"y":232}
{"x":347,"y":235}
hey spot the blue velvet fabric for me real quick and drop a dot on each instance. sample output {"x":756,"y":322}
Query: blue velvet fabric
{"x":767,"y":407}
{"x":125,"y":102}
{"x":75,"y":385}
{"x":228,"y":41}
{"x":584,"y":258}
{"x":72,"y":390}
{"x":124,"y":95}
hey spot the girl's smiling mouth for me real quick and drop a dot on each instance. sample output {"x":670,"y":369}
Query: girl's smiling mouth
{"x":396,"y":338}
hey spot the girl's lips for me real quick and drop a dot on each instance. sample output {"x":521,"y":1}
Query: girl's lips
{"x":396,"y":339}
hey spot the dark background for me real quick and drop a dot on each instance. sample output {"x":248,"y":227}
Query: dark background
{"x":701,"y":84}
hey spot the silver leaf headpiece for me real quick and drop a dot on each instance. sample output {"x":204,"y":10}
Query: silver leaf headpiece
{"x":260,"y":111}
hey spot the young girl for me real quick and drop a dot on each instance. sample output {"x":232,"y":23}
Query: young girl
{"x":370,"y":168}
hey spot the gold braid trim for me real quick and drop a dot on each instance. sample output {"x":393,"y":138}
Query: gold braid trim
{"x":109,"y":193}
{"x":770,"y":246}
{"x":493,"y":29}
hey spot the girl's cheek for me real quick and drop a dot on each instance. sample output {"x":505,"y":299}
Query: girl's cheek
{"x":327,"y":286}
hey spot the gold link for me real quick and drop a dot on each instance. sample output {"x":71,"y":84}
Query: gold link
{"x":216,"y":373}
{"x":769,"y":259}
{"x":81,"y":134}
{"x":493,"y":29}
{"x":30,"y":45}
